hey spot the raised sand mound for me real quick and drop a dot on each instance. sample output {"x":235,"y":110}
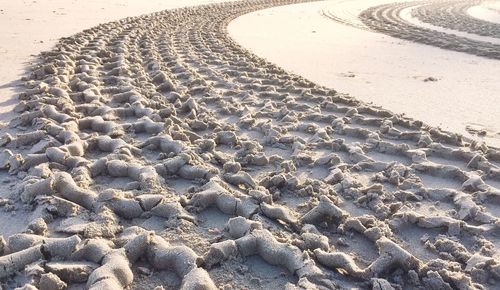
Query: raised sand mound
{"x":156,"y":151}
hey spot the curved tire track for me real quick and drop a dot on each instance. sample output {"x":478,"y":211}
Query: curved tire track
{"x":453,"y":15}
{"x":156,"y":143}
{"x":386,"y":19}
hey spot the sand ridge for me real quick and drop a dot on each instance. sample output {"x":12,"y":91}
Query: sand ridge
{"x":453,"y":15}
{"x":157,"y":151}
{"x":377,"y":68}
{"x":386,"y":19}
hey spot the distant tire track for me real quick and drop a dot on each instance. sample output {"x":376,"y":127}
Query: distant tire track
{"x":386,"y":19}
{"x":156,"y":144}
{"x":453,"y":15}
{"x":338,"y":16}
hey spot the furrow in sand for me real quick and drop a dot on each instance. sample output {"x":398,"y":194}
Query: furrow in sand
{"x":387,"y":19}
{"x":453,"y":15}
{"x":158,"y":152}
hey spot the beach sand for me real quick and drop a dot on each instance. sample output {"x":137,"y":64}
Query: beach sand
{"x":376,"y":68}
{"x":30,"y":26}
{"x":156,"y":152}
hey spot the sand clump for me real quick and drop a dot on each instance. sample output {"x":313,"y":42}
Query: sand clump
{"x":158,"y":153}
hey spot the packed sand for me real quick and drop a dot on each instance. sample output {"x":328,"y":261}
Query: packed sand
{"x":329,"y":44}
{"x":155,"y":151}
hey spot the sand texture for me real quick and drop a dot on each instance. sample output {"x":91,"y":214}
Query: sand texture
{"x":155,"y":151}
{"x":454,"y":15}
{"x":386,"y":19}
{"x":28,"y":27}
{"x":329,"y":44}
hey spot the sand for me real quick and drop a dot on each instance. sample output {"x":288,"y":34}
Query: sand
{"x":30,"y":26}
{"x":386,"y":71}
{"x":488,"y":11}
{"x":155,"y":152}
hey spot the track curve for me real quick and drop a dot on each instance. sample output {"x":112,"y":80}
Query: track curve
{"x":386,"y":19}
{"x":342,"y":16}
{"x":158,"y":152}
{"x":453,"y":15}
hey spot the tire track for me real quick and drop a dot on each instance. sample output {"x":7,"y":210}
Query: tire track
{"x":386,"y":19}
{"x":159,"y":152}
{"x":453,"y":15}
{"x":339,"y":15}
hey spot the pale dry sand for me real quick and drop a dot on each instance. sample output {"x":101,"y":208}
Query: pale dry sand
{"x":376,"y":68}
{"x":155,"y":152}
{"x":486,"y":12}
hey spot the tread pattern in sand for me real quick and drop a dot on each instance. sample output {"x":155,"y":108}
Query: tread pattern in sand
{"x":453,"y":15}
{"x":340,"y":14}
{"x":387,"y":19}
{"x":160,"y":152}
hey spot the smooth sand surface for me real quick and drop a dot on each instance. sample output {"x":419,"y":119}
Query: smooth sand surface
{"x":489,"y":11}
{"x":485,"y":13}
{"x":376,"y":68}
